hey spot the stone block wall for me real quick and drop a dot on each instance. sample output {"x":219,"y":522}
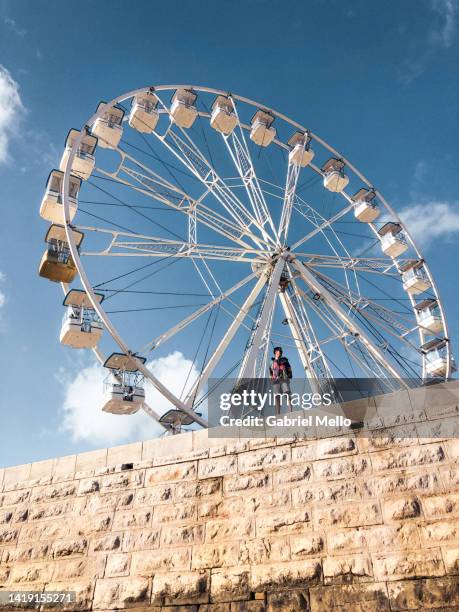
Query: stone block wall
{"x":364,"y":520}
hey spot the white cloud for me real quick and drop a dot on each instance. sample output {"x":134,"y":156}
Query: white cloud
{"x":431,"y":220}
{"x":2,"y":294}
{"x":11,"y":109}
{"x":84,"y":420}
{"x":12,"y":25}
{"x":447,"y":11}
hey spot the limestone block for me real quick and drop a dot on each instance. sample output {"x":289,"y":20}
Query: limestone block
{"x":424,"y":481}
{"x":70,"y":547}
{"x":441,"y":506}
{"x":349,"y":515}
{"x":288,"y":601}
{"x":149,"y":561}
{"x":52,"y":492}
{"x":215,"y":555}
{"x":171,"y":473}
{"x":403,"y":564}
{"x":132,"y":518}
{"x":121,"y":593}
{"x":141,"y":539}
{"x":202,"y":488}
{"x":451,"y":560}
{"x":217,"y":530}
{"x":84,"y":591}
{"x":25,"y":573}
{"x":425,"y":454}
{"x":402,"y":508}
{"x":306,"y":545}
{"x":263,"y":458}
{"x":265,"y":550}
{"x":239,"y":484}
{"x":117,"y":565}
{"x":283,"y":523}
{"x":16,"y":474}
{"x":393,"y":537}
{"x":230,"y":584}
{"x":217,"y":466}
{"x":177,"y":512}
{"x":427,"y":593}
{"x":63,"y":466}
{"x":289,"y":575}
{"x":296,"y":473}
{"x":127,"y":453}
{"x":106,"y":543}
{"x":178,"y":536}
{"x":171,"y":445}
{"x":361,"y":596}
{"x":344,"y":467}
{"x":340,"y":490}
{"x":181,"y":588}
{"x":152,"y":496}
{"x":348,"y":568}
{"x":90,"y":460}
{"x":445,"y":533}
{"x":14,"y":498}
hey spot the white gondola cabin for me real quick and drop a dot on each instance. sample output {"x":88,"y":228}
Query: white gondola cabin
{"x":414,"y":277}
{"x":57,"y":264}
{"x":123,"y":387}
{"x":301,"y":153}
{"x":262,"y":132}
{"x":428,"y":316}
{"x":183,"y":109}
{"x":81,"y":327}
{"x":223,"y":118}
{"x":365,"y":208}
{"x":51,"y":207}
{"x":108,"y":126}
{"x":393,"y":241}
{"x":144,"y":116}
{"x":333,"y":175}
{"x":436,"y":353}
{"x":84,"y":160}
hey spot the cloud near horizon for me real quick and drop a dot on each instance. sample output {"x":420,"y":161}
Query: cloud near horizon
{"x":431,"y":220}
{"x":83,"y":419}
{"x":11,"y":110}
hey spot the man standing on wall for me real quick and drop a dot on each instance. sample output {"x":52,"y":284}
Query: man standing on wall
{"x":281,"y":373}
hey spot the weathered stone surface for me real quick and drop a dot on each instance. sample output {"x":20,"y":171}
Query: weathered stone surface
{"x":365,"y":521}
{"x":181,"y":588}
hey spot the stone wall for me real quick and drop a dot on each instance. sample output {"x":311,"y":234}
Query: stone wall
{"x":358,"y":521}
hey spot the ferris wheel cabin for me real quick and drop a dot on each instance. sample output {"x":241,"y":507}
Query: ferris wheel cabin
{"x":144,"y":116}
{"x":333,"y":174}
{"x":393,"y":240}
{"x":365,"y":209}
{"x":414,"y":277}
{"x":81,"y":327}
{"x":51,"y":208}
{"x":183,"y":109}
{"x":428,"y":316}
{"x":108,"y":125}
{"x":436,"y":354}
{"x":223,"y":118}
{"x":57,"y":264}
{"x":84,"y":160}
{"x":123,"y":387}
{"x":301,"y":153}
{"x":262,"y":132}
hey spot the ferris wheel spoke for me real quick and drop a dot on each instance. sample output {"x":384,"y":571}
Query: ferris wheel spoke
{"x":324,"y":224}
{"x":377,"y":265}
{"x":356,"y":330}
{"x":236,"y":144}
{"x":151,"y":184}
{"x":225,"y":341}
{"x":398,"y":325}
{"x":180,"y":144}
{"x":291,"y":183}
{"x":153,"y":344}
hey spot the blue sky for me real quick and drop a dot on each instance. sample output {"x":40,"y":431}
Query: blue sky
{"x":375,"y":79}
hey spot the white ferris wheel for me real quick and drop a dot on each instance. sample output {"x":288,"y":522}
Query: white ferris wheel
{"x":201,"y":221}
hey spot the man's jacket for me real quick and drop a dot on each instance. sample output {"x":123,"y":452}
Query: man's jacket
{"x":280,"y":369}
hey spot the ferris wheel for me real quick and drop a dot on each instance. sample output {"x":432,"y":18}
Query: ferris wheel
{"x":186,"y":193}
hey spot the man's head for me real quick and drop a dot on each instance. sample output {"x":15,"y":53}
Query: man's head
{"x":277,"y":352}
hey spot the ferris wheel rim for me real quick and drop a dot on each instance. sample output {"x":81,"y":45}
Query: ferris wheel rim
{"x":68,"y":225}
